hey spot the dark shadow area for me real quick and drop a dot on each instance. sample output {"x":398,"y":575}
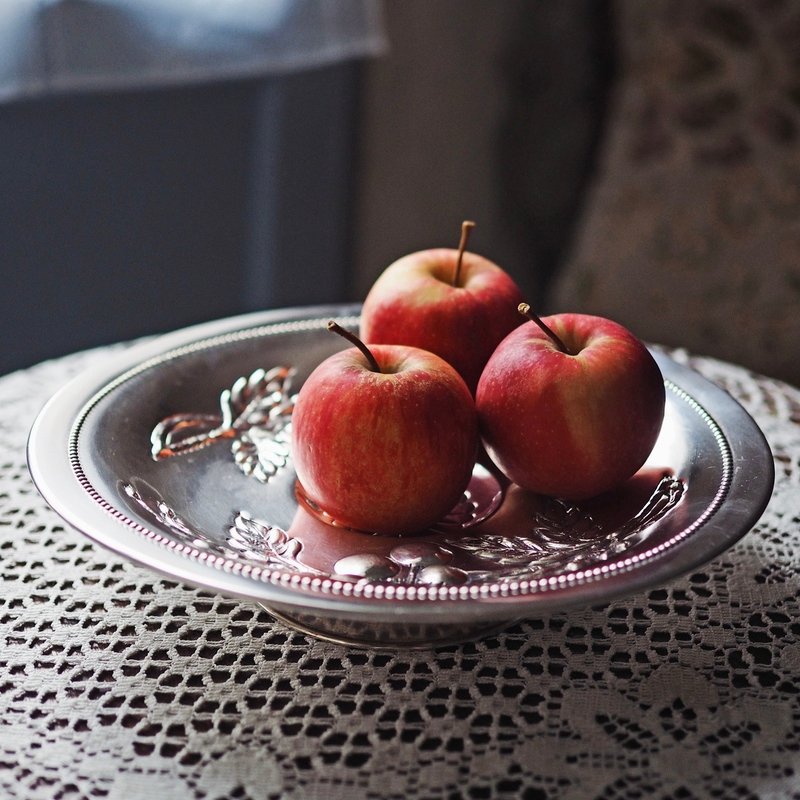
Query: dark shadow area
{"x":120,"y":215}
{"x":144,"y":211}
{"x":559,"y":68}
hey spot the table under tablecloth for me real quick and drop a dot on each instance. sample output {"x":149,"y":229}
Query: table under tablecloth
{"x":116,"y":683}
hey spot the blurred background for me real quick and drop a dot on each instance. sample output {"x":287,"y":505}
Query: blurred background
{"x":166,"y":162}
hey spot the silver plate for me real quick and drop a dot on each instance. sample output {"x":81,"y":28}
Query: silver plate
{"x":175,"y":455}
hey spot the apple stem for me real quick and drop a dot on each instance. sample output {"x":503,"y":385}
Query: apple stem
{"x":353,"y":339}
{"x":526,"y":312}
{"x":466,"y":227}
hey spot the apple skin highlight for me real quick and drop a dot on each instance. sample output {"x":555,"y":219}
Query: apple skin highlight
{"x":571,"y":426}
{"x":388,"y":452}
{"x":414,"y":303}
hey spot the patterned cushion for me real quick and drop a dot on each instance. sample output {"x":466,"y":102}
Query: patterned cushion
{"x":691,"y":230}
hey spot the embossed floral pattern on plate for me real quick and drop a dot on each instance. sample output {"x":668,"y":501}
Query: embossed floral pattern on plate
{"x":255,"y":417}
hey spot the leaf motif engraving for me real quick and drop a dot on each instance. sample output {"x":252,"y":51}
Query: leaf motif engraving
{"x":255,"y":415}
{"x":147,"y":500}
{"x":562,"y":530}
{"x":262,"y":400}
{"x":181,"y":434}
{"x":248,"y":539}
{"x":262,"y":454}
{"x":666,"y":496}
{"x":269,"y":545}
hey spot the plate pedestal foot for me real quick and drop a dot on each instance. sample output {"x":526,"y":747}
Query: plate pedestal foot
{"x":401,"y":635}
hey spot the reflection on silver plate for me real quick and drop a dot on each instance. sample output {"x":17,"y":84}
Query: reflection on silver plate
{"x":177,"y":456}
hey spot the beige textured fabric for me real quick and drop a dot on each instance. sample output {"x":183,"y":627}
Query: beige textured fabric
{"x":691,"y":232}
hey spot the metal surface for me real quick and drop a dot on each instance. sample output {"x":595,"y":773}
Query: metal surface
{"x":176,"y":456}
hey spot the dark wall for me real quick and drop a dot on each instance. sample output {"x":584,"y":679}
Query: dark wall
{"x":144,"y":211}
{"x":484,"y":111}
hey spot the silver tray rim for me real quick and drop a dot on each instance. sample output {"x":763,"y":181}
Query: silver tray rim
{"x":54,"y":474}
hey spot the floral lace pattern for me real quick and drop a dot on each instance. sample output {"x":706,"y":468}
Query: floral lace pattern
{"x":116,"y":683}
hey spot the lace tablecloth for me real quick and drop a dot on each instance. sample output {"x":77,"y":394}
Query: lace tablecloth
{"x":117,"y":684}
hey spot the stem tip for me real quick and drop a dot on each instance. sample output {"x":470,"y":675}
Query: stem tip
{"x":525,"y":310}
{"x":335,"y":327}
{"x":466,"y":226}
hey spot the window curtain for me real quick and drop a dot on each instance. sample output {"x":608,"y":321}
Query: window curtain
{"x":52,"y":46}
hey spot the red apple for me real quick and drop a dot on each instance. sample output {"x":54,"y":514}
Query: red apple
{"x":456,"y":304}
{"x":571,"y":408}
{"x":386,"y":446}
